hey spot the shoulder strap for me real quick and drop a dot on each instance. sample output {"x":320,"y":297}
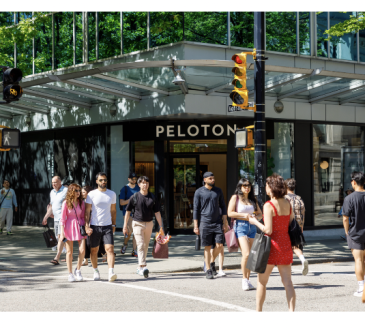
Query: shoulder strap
{"x":276,"y":212}
{"x":125,"y":192}
{"x":4,"y":198}
{"x":237,"y":201}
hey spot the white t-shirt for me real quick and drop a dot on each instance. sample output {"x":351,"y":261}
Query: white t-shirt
{"x":100,"y":206}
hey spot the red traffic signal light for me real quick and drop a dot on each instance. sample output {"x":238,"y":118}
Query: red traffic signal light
{"x":12,"y":90}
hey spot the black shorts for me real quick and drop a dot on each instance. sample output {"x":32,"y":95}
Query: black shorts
{"x":211,"y":234}
{"x":101,"y":233}
{"x":355,"y":245}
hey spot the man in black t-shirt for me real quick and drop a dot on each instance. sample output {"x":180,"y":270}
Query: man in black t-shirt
{"x":145,"y":207}
{"x":354,"y":223}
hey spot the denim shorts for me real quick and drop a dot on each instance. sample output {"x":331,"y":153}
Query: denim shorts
{"x":243,"y":228}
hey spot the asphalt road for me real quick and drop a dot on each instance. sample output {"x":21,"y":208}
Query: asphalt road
{"x":327,"y":287}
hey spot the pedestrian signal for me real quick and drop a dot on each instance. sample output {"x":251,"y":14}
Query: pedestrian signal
{"x":12,"y":90}
{"x":9,"y":138}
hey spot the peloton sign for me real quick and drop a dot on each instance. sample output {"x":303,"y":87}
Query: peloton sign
{"x":168,"y":132}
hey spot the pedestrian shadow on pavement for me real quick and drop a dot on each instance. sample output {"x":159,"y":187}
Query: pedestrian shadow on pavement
{"x":305,"y":286}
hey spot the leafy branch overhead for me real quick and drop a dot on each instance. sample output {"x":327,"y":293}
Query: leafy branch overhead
{"x":352,"y":25}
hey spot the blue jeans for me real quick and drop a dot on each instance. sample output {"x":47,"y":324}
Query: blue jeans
{"x":243,"y":228}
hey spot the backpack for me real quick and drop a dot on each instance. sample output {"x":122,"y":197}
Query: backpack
{"x":125,"y":197}
{"x":134,"y":201}
{"x":298,"y":208}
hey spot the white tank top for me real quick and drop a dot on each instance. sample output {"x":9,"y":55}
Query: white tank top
{"x":241,"y":208}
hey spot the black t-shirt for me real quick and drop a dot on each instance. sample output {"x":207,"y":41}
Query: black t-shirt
{"x":354,"y":208}
{"x":144,"y":209}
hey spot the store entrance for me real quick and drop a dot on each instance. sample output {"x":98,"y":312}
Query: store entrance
{"x":186,"y":176}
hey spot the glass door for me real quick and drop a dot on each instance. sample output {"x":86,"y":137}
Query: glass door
{"x":185,"y":181}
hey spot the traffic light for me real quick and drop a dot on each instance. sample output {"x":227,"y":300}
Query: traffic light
{"x":12,"y":90}
{"x":9,"y":138}
{"x":239,"y":95}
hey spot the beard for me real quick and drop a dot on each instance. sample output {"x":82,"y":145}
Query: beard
{"x":211,"y":184}
{"x":102,"y":185}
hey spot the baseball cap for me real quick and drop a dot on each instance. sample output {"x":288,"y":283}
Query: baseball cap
{"x":132,"y":175}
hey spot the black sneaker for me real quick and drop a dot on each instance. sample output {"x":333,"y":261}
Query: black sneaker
{"x":212,"y":267}
{"x":209,"y":274}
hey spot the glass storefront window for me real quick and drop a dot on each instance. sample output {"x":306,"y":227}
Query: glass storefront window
{"x":362,"y":45}
{"x":25,"y":15}
{"x":345,"y":47}
{"x":304,"y":33}
{"x":145,"y":161}
{"x":322,"y":25}
{"x":109,"y":34}
{"x":134,"y":31}
{"x":91,"y":26}
{"x":79,"y":38}
{"x":198,"y":146}
{"x":281,"y":32}
{"x":43,"y":47}
{"x":242,"y":29}
{"x":63,"y":35}
{"x":206,"y":27}
{"x":166,"y":28}
{"x":337,"y":152}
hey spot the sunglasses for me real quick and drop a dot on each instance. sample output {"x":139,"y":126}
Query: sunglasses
{"x":101,"y":180}
{"x":246,"y":185}
{"x":77,"y":190}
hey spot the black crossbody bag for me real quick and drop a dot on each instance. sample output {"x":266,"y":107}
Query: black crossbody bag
{"x":82,"y":228}
{"x":4,"y":198}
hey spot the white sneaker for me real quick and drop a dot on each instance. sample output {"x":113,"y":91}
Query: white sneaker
{"x":144,"y":272}
{"x":71,"y":278}
{"x":359,"y":292}
{"x":251,"y":287}
{"x":96,"y":275}
{"x":221,"y":273}
{"x":64,"y":250}
{"x":245,"y":286}
{"x":78,"y":275}
{"x":112,"y":277}
{"x":305,"y":267}
{"x":138,"y":269}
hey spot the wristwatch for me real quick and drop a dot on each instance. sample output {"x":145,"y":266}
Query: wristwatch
{"x":113,"y":225}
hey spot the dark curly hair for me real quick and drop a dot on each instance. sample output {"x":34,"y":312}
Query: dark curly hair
{"x":70,"y":196}
{"x":251,"y":195}
{"x":87,"y":188}
{"x":277,"y":185}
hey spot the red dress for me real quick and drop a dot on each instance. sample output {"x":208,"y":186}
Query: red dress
{"x":281,"y":252}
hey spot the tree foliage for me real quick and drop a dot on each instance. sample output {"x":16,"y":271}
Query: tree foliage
{"x":352,"y":25}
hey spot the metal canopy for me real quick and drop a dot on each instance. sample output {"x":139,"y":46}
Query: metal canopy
{"x":105,"y":82}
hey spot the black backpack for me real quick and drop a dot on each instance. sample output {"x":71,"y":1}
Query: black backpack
{"x":125,"y":197}
{"x":134,"y":201}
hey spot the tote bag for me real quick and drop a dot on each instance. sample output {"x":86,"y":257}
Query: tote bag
{"x":230,"y":235}
{"x":49,"y":237}
{"x":259,"y":254}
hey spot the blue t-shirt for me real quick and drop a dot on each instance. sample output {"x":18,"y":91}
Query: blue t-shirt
{"x":130,"y":192}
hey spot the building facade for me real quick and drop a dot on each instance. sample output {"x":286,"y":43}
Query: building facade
{"x":104,"y":100}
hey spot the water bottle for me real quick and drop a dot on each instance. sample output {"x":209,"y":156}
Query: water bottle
{"x":197,"y":243}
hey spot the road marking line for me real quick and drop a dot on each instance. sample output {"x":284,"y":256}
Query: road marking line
{"x":324,"y":272}
{"x":205,"y":300}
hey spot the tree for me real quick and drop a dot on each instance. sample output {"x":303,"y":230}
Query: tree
{"x":352,"y":25}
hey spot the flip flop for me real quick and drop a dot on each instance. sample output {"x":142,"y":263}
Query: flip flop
{"x":54,"y":262}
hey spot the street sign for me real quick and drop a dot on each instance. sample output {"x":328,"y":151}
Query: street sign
{"x":232,"y":108}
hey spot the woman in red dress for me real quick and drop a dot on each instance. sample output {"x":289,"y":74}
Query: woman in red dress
{"x":277,"y":216}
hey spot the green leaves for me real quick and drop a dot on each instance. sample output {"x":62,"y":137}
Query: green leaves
{"x":352,"y":25}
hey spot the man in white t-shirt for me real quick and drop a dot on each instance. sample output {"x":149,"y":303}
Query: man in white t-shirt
{"x":102,"y":204}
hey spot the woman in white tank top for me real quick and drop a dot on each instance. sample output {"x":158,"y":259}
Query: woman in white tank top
{"x":240,"y":211}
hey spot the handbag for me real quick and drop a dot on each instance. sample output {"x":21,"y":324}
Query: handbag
{"x":259,"y":254}
{"x":161,"y":250}
{"x":296,"y":235}
{"x":230,"y":235}
{"x":82,"y":228}
{"x":49,"y":237}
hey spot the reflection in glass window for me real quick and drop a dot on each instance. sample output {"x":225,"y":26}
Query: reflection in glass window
{"x":63,"y":35}
{"x":43,"y":47}
{"x":280,"y":151}
{"x":337,"y":152}
{"x":20,"y":16}
{"x":246,"y":164}
{"x":304,"y":33}
{"x":206,"y":27}
{"x":79,"y":38}
{"x":166,"y":27}
{"x":109,"y":34}
{"x":362,"y":45}
{"x":242,"y":29}
{"x":6,"y":18}
{"x":322,"y":45}
{"x":24,"y":57}
{"x":145,"y":161}
{"x":198,"y":146}
{"x":345,"y":47}
{"x":281,"y":28}
{"x":91,"y":26}
{"x":134,"y":31}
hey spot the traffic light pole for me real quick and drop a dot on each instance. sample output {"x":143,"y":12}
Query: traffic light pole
{"x":259,"y":118}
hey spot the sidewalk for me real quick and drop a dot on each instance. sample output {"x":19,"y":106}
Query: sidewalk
{"x":26,"y":251}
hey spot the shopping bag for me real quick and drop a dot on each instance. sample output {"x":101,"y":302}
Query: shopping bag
{"x":160,"y":251}
{"x":231,"y":240}
{"x":49,"y":237}
{"x":259,"y":254}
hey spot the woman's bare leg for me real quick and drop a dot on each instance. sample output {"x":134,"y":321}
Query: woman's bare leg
{"x":262,"y":280}
{"x":285,"y":273}
{"x":69,"y":248}
{"x":245,"y":247}
{"x":81,"y":253}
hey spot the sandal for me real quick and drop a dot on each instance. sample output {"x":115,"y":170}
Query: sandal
{"x":85,"y":262}
{"x":104,"y":258}
{"x":54,"y":262}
